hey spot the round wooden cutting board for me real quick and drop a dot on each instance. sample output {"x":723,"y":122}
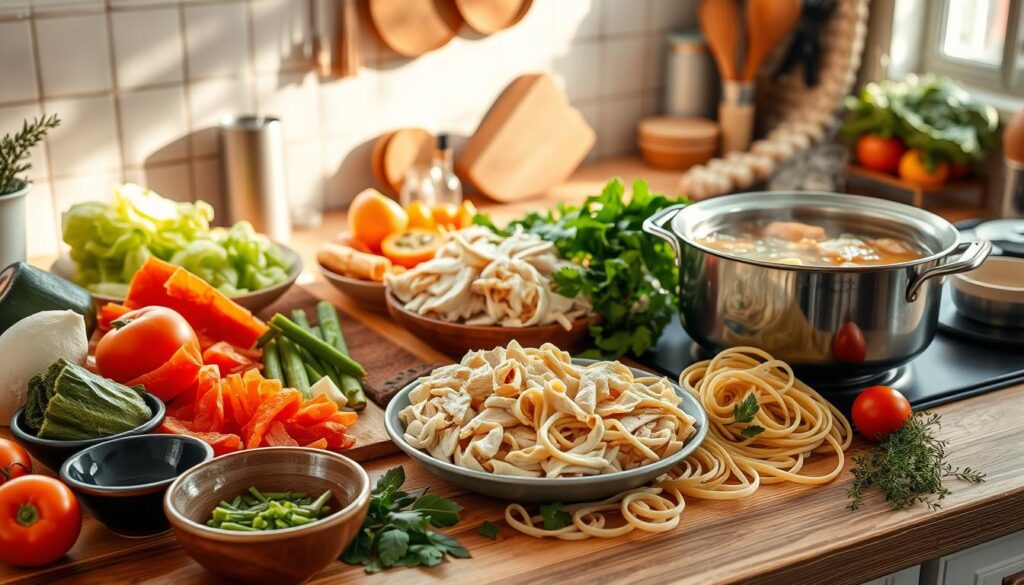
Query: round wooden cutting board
{"x":415,"y":27}
{"x":490,"y":16}
{"x":406,"y":148}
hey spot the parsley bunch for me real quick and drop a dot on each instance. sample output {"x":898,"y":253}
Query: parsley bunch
{"x":396,"y":532}
{"x":908,"y":467}
{"x":629,"y":277}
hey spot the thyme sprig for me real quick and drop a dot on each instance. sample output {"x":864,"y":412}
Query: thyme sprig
{"x":14,"y":150}
{"x":908,"y":467}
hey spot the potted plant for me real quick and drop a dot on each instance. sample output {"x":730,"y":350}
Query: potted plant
{"x":14,"y":186}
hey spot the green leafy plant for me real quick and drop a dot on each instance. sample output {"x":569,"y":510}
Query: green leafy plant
{"x":908,"y":467}
{"x":15,"y":148}
{"x":396,"y":532}
{"x":629,"y":277}
{"x":933,"y":114}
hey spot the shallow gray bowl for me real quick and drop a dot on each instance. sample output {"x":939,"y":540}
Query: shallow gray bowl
{"x":65,"y":268}
{"x":543,"y":489}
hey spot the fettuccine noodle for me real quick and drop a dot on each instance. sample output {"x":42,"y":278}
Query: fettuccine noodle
{"x":533,"y":413}
{"x":728,"y":465}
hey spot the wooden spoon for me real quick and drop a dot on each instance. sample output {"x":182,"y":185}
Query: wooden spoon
{"x":768,"y":22}
{"x":720,"y":20}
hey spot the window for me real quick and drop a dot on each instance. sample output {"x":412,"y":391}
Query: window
{"x":980,"y":42}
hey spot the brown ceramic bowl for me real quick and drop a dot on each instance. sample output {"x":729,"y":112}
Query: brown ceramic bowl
{"x":455,"y":339}
{"x":284,"y":556}
{"x":370,"y":295}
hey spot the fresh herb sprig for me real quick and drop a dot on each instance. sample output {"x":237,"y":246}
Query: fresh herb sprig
{"x":396,"y":532}
{"x":14,"y":150}
{"x":908,"y":467}
{"x":744,"y":412}
{"x":629,"y":277}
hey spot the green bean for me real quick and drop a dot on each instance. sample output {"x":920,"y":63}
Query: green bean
{"x":256,"y":494}
{"x":321,"y":349}
{"x":319,"y":503}
{"x":272,"y":361}
{"x":331,"y":327}
{"x":294,"y":368}
{"x":236,"y":526}
{"x":297,"y":520}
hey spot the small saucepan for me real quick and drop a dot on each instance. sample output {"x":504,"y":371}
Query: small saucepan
{"x":832,"y":321}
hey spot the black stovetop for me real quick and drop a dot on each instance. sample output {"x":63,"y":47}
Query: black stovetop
{"x":950,"y":369}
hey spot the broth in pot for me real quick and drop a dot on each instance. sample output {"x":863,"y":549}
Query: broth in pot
{"x":801,"y":244}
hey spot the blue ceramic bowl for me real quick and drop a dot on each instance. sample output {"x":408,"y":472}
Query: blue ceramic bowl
{"x":53,"y":453}
{"x":122,"y":482}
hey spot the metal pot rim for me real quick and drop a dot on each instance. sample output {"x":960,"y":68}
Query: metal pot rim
{"x":895,"y":211}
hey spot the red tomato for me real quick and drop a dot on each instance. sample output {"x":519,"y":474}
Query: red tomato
{"x":880,"y":154}
{"x":14,"y":461}
{"x":878,"y":411}
{"x":848,"y":345}
{"x":39,"y":521}
{"x":141,"y":341}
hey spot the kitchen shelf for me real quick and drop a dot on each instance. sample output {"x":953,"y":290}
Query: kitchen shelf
{"x":919,"y":193}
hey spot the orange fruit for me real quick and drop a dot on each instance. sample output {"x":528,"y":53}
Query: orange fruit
{"x":466,"y":212}
{"x":912,"y":170}
{"x":447,"y":215}
{"x":372,"y":216}
{"x":412,"y":246}
{"x":420,"y":215}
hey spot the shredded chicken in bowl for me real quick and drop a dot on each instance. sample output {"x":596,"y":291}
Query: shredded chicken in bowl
{"x":480,"y":278}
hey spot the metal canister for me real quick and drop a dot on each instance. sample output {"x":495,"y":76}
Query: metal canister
{"x":691,"y":84}
{"x":254,"y":171}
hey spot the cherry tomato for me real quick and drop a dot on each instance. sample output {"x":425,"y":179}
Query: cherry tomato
{"x":14,"y":461}
{"x":880,"y":154}
{"x":411,"y":247}
{"x":848,"y":345}
{"x":878,"y":411}
{"x":913,"y":169}
{"x":141,"y":341}
{"x":39,"y":521}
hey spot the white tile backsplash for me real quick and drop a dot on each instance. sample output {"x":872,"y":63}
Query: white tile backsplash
{"x":217,"y":39}
{"x":19,"y":80}
{"x":74,"y":54}
{"x":43,"y":221}
{"x":281,"y":35}
{"x":148,"y":48}
{"x":11,"y":120}
{"x":164,"y":115}
{"x":86,"y":141}
{"x":143,"y":86}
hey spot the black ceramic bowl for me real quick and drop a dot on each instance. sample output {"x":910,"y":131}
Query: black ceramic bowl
{"x":122,"y":482}
{"x":53,"y":453}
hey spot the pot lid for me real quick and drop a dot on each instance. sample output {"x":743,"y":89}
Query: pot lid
{"x":1008,"y":234}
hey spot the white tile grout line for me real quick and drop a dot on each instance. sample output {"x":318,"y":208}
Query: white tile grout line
{"x":116,"y":97}
{"x":193,"y":184}
{"x":40,"y":106}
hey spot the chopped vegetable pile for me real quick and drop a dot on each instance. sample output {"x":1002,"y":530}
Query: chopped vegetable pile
{"x":630,"y":278}
{"x":245,"y":411}
{"x":396,"y":532}
{"x":71,"y":403}
{"x":255,"y":511}
{"x":110,"y":242}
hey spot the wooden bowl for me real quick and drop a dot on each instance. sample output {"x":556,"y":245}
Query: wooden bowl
{"x":291,"y":555}
{"x":369,"y":295}
{"x":455,"y":339}
{"x":675,"y":158}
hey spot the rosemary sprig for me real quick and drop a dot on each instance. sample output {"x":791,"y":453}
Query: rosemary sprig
{"x":908,"y":467}
{"x":14,"y":150}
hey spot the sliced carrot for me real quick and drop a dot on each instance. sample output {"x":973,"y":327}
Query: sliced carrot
{"x":223,"y":318}
{"x":251,"y":381}
{"x":231,"y":388}
{"x":209,"y":411}
{"x":316,"y":410}
{"x":147,"y":286}
{"x":221,"y":442}
{"x":334,"y":433}
{"x":110,"y":312}
{"x":318,"y":444}
{"x":277,"y":436}
{"x":175,"y":376}
{"x":345,"y":417}
{"x":224,"y":355}
{"x":283,"y":406}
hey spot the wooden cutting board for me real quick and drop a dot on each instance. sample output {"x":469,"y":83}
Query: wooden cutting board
{"x":531,"y":140}
{"x":388,"y":368}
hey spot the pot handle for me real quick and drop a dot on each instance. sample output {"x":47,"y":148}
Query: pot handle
{"x":655,"y":225}
{"x":972,"y":254}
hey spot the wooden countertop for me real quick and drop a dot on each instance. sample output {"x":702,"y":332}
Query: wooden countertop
{"x":783,"y":534}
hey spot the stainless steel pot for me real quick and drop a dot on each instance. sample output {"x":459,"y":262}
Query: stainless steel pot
{"x":834,"y":321}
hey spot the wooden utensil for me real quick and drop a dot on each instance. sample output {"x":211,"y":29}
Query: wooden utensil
{"x":347,"y":59}
{"x":768,"y":22}
{"x":490,"y":16}
{"x":406,"y":148}
{"x":531,"y":140}
{"x":414,"y":27}
{"x":720,"y":20}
